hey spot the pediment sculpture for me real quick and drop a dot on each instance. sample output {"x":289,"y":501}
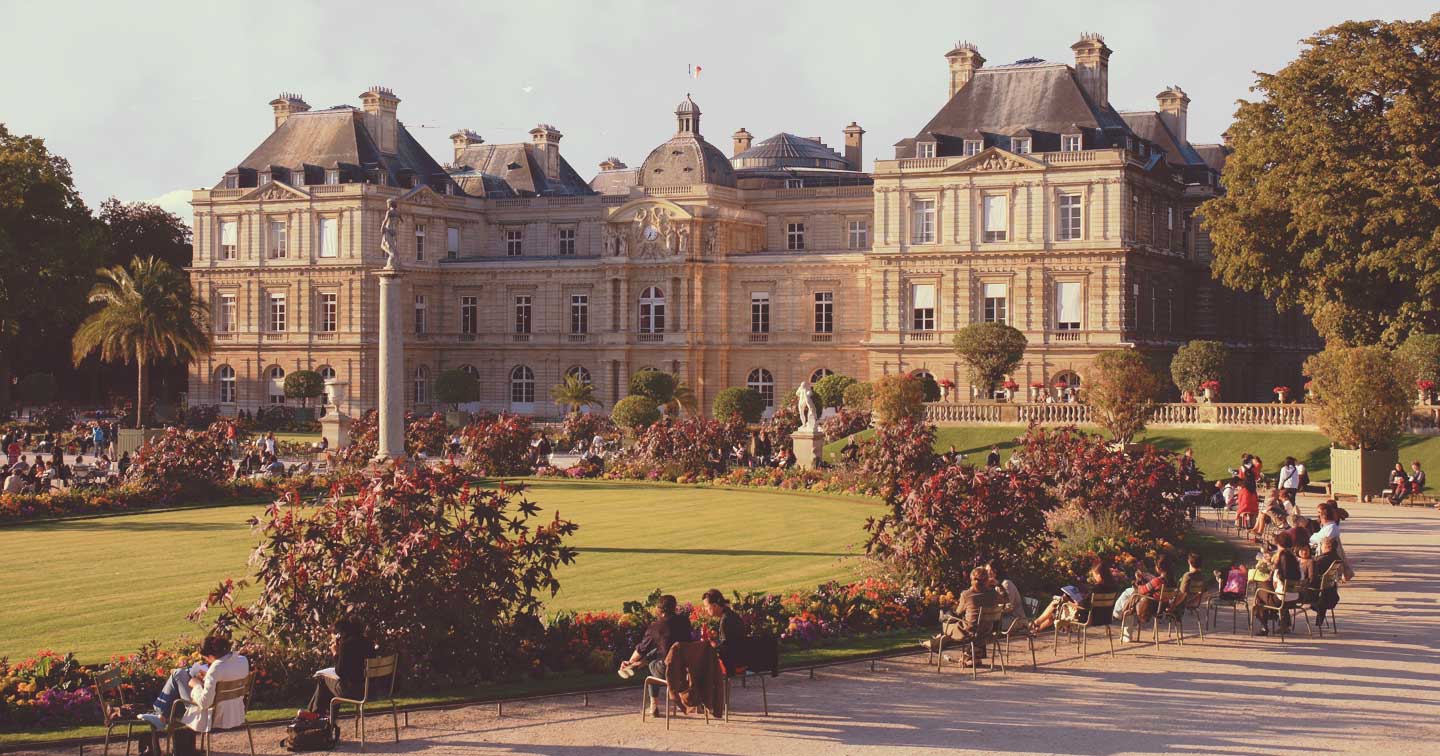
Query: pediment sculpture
{"x":651,"y":232}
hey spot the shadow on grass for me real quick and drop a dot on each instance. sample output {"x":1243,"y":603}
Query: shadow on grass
{"x":710,"y":552}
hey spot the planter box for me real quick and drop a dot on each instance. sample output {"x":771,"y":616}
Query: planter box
{"x":131,"y":439}
{"x":1361,"y":474}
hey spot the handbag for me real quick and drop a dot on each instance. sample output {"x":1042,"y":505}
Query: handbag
{"x":310,"y":732}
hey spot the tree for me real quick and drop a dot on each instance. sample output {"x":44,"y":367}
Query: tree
{"x":737,"y":400}
{"x":859,"y":395}
{"x":1362,"y":397}
{"x":574,"y":393}
{"x":148,"y":312}
{"x":1197,"y":362}
{"x":1330,"y":190}
{"x":991,"y":351}
{"x":897,"y":397}
{"x":456,"y":387}
{"x":683,"y":398}
{"x":1122,"y":393}
{"x":37,"y":389}
{"x":635,"y":412}
{"x":1421,"y":356}
{"x":929,"y":387}
{"x":831,"y":389}
{"x":653,"y":384}
{"x":139,"y":229}
{"x":304,"y":385}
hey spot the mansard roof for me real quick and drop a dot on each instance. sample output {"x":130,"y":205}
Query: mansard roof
{"x":617,"y":181}
{"x":513,"y":170}
{"x":337,"y":139}
{"x":1150,"y":126}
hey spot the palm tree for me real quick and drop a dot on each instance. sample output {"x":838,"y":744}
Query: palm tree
{"x":574,"y":393}
{"x":684,"y":398}
{"x":147,"y":313}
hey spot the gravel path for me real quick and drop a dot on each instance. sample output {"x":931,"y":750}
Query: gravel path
{"x":1374,"y":690}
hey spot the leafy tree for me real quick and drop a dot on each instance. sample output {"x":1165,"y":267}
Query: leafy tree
{"x":859,"y":395}
{"x":456,"y":387}
{"x":148,"y":313}
{"x":991,"y":351}
{"x":1122,"y":393}
{"x":897,"y":397}
{"x":1362,"y":397}
{"x":736,"y":400}
{"x":929,"y":387}
{"x":1421,"y":356}
{"x":830,"y":390}
{"x":574,"y":393}
{"x":1197,"y":362}
{"x":139,"y":229}
{"x":635,"y":412}
{"x":656,"y":385}
{"x":899,"y":453}
{"x":304,"y":385}
{"x":1330,"y":192}
{"x":37,"y":389}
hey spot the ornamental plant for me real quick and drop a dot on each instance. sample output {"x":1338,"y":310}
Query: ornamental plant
{"x":653,"y":384}
{"x":928,"y":385}
{"x":845,"y":422}
{"x":736,"y":400}
{"x":991,"y":351}
{"x":1420,"y":353}
{"x":582,"y":427}
{"x":182,"y":462}
{"x":689,"y":448}
{"x":498,"y":445}
{"x":304,"y":385}
{"x":830,"y":390}
{"x":635,"y":412}
{"x":899,"y":452}
{"x":456,"y":387}
{"x":1122,"y":393}
{"x":1196,"y":363}
{"x":859,"y":396}
{"x":438,"y":569}
{"x":896,"y":398}
{"x":1362,"y":399}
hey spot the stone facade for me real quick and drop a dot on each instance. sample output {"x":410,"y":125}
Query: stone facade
{"x":767,"y":268}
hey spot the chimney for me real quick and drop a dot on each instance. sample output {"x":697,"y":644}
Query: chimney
{"x":854,"y":139}
{"x":1173,"y":106}
{"x":612,"y":164}
{"x":546,"y":139}
{"x":965,"y":60}
{"x":462,"y":139}
{"x":286,"y":104}
{"x":380,"y":105}
{"x":742,"y":139}
{"x":1092,"y":67}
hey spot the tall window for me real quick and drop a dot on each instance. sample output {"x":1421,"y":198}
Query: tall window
{"x":579,"y":313}
{"x":1067,"y":306}
{"x":763,"y":382}
{"x":1070,"y":143}
{"x":329,"y":311}
{"x":522,"y":385}
{"x":759,"y":312}
{"x":279,"y":244}
{"x":1020,"y":145}
{"x":579,"y":373}
{"x":421,"y":394}
{"x":795,"y":236}
{"x":276,"y":384}
{"x":922,"y":307}
{"x":996,"y":209}
{"x":469,"y":315}
{"x":452,"y":243}
{"x":329,"y":237}
{"x":652,"y":310}
{"x":925,"y":150}
{"x":419,"y":313}
{"x":225,"y":381}
{"x":792,"y":183}
{"x":995,"y":302}
{"x":226,"y":322}
{"x":859,"y":237}
{"x":419,"y":243}
{"x":1069,"y":217}
{"x":229,"y":248}
{"x":973,"y":146}
{"x":514,"y":242}
{"x":332,"y":176}
{"x":567,"y":241}
{"x":522,"y":313}
{"x":922,"y":221}
{"x":824,"y":312}
{"x":277,"y":312}
{"x":820,"y":374}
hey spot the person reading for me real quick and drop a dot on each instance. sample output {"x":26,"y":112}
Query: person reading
{"x":346,"y":679}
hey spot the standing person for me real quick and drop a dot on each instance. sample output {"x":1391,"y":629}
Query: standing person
{"x":350,"y":648}
{"x":123,"y":465}
{"x":1289,"y":478}
{"x":1248,"y":499}
{"x":668,"y":628}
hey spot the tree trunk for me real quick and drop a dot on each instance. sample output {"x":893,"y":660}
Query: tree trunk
{"x":139,"y":391}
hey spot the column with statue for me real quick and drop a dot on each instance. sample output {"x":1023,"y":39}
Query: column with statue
{"x":808,"y":441}
{"x":391,"y":406}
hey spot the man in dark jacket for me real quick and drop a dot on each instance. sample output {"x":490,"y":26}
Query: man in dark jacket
{"x":668,"y":628}
{"x":965,"y":625}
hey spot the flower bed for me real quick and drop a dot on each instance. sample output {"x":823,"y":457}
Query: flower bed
{"x":139,"y":495}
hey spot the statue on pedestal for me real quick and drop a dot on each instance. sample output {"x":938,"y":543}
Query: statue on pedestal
{"x":390,"y":233}
{"x":808,"y":405}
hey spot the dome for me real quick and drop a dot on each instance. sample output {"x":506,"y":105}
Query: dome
{"x":686,"y":160}
{"x":687,"y":105}
{"x":790,"y":151}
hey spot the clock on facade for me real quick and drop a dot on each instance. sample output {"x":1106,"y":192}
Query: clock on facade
{"x":651,"y":233}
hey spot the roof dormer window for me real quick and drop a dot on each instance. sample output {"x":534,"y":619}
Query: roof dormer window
{"x":1070,"y":143}
{"x":232,"y":181}
{"x":264,"y":177}
{"x":974,"y":146}
{"x":332,"y":176}
{"x":1020,"y":145}
{"x":925,"y":150}
{"x":794,"y":183}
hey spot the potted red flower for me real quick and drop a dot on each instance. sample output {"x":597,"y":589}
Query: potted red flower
{"x":946,"y":386}
{"x":1425,"y":385}
{"x":1280,"y":393}
{"x":1211,"y":389}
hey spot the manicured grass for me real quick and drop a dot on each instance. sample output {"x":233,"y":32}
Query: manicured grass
{"x":1216,"y":451}
{"x":106,"y":585}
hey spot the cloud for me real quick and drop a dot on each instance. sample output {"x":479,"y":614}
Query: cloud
{"x":177,"y":202}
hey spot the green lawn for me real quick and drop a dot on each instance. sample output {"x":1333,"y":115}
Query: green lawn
{"x":1215,"y":450}
{"x":106,"y":585}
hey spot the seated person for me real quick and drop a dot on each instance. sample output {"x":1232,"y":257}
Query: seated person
{"x":850,"y":450}
{"x":346,"y":679}
{"x":668,"y":628}
{"x":1143,"y":603}
{"x":733,"y":633}
{"x":276,"y":467}
{"x":1009,"y":594}
{"x":965,"y":626}
{"x":1323,"y":600}
{"x":196,"y":684}
{"x":1192,"y":582}
{"x":1399,"y":484}
{"x":1286,"y":568}
{"x":1073,"y":603}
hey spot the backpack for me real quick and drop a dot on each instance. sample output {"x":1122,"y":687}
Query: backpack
{"x":310,"y":732}
{"x":1236,"y":582}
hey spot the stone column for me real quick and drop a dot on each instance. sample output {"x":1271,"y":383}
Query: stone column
{"x":391,"y":401}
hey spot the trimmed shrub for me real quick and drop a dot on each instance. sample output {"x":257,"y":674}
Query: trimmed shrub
{"x":455,"y":387}
{"x":1364,"y":402}
{"x":928,"y":385}
{"x":635,"y":411}
{"x":830,"y":390}
{"x":896,"y":398}
{"x":858,"y":396}
{"x":655,"y":385}
{"x":991,"y":351}
{"x":304,"y":385}
{"x":745,"y":402}
{"x":1197,"y":362}
{"x":1122,"y":393}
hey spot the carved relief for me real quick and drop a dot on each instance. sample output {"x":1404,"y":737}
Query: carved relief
{"x":651,"y":232}
{"x":998,"y":162}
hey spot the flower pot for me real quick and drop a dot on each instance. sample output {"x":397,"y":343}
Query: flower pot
{"x":1207,"y":395}
{"x":1280,"y":396}
{"x":1361,"y":473}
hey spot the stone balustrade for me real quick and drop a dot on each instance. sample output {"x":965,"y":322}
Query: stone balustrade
{"x":1425,"y":420}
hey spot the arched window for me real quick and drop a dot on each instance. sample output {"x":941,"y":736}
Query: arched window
{"x":327,"y":373}
{"x":225,"y":384}
{"x":579,"y":372}
{"x":652,"y":311}
{"x":763,"y":382}
{"x":422,"y":385}
{"x":820,"y":374}
{"x":470,"y":370}
{"x":276,"y":382}
{"x":522,"y":385}
{"x":1066,"y":383}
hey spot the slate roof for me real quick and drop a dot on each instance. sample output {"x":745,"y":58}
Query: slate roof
{"x":512,"y":170}
{"x":685,"y":160}
{"x":1150,"y":126}
{"x":788,"y":150}
{"x":617,"y":181}
{"x":336,"y":138}
{"x":1213,"y":154}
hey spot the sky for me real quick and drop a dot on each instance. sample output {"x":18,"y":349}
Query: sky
{"x":150,"y":100}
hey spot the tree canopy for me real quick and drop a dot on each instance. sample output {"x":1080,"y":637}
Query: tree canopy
{"x":1362,"y":398}
{"x":991,"y":350}
{"x":1122,"y":393}
{"x":1332,"y":194}
{"x":574,"y":393}
{"x":1197,"y":362}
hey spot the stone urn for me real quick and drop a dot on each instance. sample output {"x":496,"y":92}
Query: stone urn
{"x":1207,"y":395}
{"x":1280,"y":396}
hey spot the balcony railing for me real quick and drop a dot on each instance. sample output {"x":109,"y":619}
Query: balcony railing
{"x":577,"y":338}
{"x":822,"y":338}
{"x":759,"y":338}
{"x":650,"y":338}
{"x":1257,"y":415}
{"x":520,"y":338}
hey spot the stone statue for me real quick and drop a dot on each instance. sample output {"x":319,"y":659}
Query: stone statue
{"x":390,"y":233}
{"x":809,"y":406}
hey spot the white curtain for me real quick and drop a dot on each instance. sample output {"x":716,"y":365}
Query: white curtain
{"x":997,"y":213}
{"x":1067,"y":302}
{"x":329,"y":237}
{"x":227,"y":233}
{"x":922,"y":296}
{"x":994,"y":291}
